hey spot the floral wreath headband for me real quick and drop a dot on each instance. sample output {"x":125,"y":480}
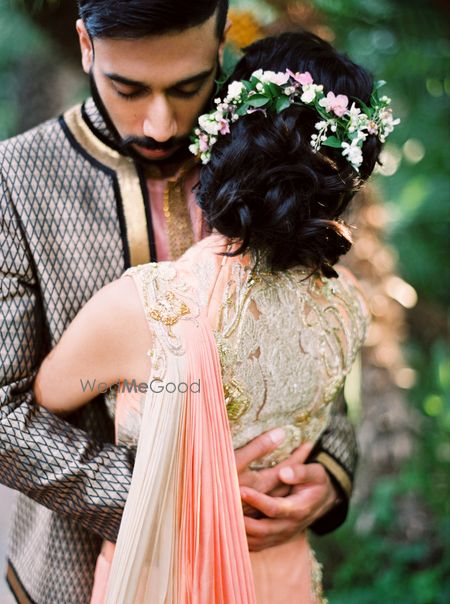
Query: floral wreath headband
{"x":340,"y":126}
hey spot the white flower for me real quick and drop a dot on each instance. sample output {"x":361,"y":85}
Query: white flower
{"x":205,"y":157}
{"x":357,"y":119}
{"x":209,"y":124}
{"x":354,"y":112}
{"x":259,"y":87}
{"x":280,"y":78}
{"x":194,"y":148}
{"x":309,"y":93}
{"x":387,"y":124}
{"x":353,"y":153}
{"x":257,"y":74}
{"x":321,"y":124}
{"x":361,"y":135}
{"x":234,"y":91}
{"x":289,"y":90}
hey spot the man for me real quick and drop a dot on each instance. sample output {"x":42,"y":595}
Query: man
{"x":106,"y":186}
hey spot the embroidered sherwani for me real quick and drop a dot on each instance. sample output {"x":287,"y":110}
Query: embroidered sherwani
{"x":75,"y":213}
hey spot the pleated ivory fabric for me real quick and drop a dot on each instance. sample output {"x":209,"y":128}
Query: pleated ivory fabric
{"x":182,"y":538}
{"x":144,"y":558}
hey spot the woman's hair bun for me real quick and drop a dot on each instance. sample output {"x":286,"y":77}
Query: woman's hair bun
{"x":264,"y":184}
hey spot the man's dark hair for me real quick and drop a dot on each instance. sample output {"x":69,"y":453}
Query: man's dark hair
{"x":125,"y":19}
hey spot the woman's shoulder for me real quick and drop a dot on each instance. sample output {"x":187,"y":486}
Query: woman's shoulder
{"x":345,"y":296}
{"x":118,"y":301}
{"x":353,"y":287}
{"x":338,"y":302}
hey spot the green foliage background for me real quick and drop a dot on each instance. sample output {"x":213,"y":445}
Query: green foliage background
{"x":407,"y":44}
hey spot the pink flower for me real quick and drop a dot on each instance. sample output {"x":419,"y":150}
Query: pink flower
{"x":372,"y":128}
{"x":224,"y":126}
{"x":203,"y":142}
{"x":278,"y":78}
{"x":302,"y":78}
{"x":337,"y":104}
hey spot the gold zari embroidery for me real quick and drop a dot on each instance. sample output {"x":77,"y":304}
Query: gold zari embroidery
{"x":286,"y":342}
{"x":178,"y":220}
{"x":316,"y":581}
{"x":169,"y":310}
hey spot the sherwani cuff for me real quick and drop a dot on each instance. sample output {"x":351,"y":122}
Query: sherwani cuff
{"x":343,"y":484}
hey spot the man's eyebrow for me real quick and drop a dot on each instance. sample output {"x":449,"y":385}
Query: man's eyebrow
{"x":123,"y":80}
{"x":190,"y":80}
{"x":196,"y":78}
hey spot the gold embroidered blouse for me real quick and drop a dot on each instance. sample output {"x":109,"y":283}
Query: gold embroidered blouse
{"x":286,"y":341}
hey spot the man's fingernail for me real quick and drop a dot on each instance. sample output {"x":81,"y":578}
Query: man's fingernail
{"x":286,"y":473}
{"x":277,"y":436}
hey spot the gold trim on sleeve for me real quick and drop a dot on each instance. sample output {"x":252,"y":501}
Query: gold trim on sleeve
{"x":16,"y":586}
{"x":336,"y":470}
{"x":130,"y":188}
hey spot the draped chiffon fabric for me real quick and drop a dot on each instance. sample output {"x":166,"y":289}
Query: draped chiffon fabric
{"x":182,"y":538}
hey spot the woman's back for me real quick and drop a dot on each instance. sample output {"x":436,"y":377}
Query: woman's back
{"x":286,"y":340}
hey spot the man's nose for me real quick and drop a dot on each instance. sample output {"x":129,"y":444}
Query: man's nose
{"x":160,"y":121}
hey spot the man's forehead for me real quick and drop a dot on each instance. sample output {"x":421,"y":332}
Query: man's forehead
{"x":139,"y":61}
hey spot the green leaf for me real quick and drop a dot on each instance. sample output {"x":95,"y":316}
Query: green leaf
{"x":242,"y":110}
{"x":257,"y":100}
{"x":283,"y":102}
{"x":365,"y":109}
{"x":332,"y":141}
{"x":273,"y":89}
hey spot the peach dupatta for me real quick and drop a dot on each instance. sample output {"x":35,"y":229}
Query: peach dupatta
{"x":182,"y":538}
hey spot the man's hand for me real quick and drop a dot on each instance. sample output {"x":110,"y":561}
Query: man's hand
{"x":290,"y":496}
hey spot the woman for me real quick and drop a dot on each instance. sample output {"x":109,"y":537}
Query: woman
{"x":252,"y":329}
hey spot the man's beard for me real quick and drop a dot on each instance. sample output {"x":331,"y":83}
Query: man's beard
{"x":180,"y":144}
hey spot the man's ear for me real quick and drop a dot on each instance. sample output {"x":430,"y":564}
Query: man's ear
{"x":223,"y":40}
{"x":87,"y":50}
